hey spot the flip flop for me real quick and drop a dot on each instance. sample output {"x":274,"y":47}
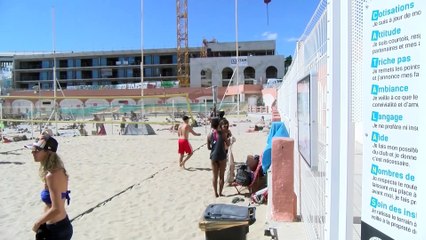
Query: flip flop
{"x":237,"y":199}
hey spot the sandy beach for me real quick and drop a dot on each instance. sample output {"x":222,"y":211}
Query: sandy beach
{"x":124,"y":187}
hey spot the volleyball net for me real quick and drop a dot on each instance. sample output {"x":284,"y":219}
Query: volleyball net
{"x":36,"y":112}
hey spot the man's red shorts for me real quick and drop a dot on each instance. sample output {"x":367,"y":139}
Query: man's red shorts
{"x":184,"y":146}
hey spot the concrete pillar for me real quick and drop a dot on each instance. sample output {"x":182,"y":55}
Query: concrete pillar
{"x":283,"y":199}
{"x":242,"y":97}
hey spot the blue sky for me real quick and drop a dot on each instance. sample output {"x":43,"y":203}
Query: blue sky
{"x":103,"y":25}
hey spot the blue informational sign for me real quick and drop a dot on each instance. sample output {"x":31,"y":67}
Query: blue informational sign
{"x":394,"y":160}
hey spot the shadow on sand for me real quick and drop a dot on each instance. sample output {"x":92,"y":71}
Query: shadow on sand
{"x":191,"y":169}
{"x":16,"y":163}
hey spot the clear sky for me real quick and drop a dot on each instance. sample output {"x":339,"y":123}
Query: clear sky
{"x":103,"y":25}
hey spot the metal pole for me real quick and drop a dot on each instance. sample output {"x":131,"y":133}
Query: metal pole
{"x":142,"y":60}
{"x":339,"y":130}
{"x":237,"y":55}
{"x":1,"y":115}
{"x":54,"y":69}
{"x":1,"y":101}
{"x":112,"y":125}
{"x":205,"y":107}
{"x":84,"y":118}
{"x":173,"y":109}
{"x":214,"y":95}
{"x":1,"y":93}
{"x":1,"y":109}
{"x":32,"y":120}
{"x":39,"y":105}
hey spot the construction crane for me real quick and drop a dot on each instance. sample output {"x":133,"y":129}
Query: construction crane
{"x":182,"y":43}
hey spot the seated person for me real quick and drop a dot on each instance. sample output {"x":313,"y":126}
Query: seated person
{"x":5,"y":140}
{"x":260,"y":124}
{"x":83,"y":131}
{"x":252,"y":161}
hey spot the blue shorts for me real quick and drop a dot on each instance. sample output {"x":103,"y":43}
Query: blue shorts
{"x":61,"y":230}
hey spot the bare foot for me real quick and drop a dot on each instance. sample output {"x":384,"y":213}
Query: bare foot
{"x":221,"y":194}
{"x":217,"y":195}
{"x":183,"y":162}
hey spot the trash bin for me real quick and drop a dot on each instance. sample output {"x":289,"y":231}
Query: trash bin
{"x":227,"y":221}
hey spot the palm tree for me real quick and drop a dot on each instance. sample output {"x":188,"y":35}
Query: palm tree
{"x":287,"y":62}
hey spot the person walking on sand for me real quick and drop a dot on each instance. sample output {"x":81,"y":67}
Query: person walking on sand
{"x":123,"y":126}
{"x":54,"y":222}
{"x":216,"y":143}
{"x":97,"y":124}
{"x":183,"y":143}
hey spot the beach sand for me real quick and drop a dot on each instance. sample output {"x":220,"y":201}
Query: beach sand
{"x":124,"y":187}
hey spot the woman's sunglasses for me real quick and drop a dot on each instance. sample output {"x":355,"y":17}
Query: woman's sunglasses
{"x":36,"y":149}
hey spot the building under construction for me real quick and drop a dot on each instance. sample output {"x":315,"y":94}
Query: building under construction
{"x":121,"y":69}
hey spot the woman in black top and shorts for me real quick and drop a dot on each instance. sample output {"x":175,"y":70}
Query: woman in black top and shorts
{"x":216,"y":143}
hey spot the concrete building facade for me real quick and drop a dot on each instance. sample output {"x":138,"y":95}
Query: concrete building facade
{"x":122,"y":69}
{"x":218,"y":71}
{"x":111,"y":75}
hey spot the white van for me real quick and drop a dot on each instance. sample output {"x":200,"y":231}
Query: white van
{"x":273,"y":82}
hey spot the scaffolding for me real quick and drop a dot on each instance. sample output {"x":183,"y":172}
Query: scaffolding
{"x":182,"y":42}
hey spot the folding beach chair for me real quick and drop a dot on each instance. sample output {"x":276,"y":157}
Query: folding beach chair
{"x":255,"y":177}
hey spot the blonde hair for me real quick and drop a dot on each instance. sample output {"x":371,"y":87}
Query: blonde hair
{"x":51,"y":163}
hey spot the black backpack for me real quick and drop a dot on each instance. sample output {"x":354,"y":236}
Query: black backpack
{"x":243,"y":176}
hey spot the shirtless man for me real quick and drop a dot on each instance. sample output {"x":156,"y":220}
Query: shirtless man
{"x":183,"y":142}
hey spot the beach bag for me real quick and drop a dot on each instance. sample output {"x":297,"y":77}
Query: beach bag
{"x":230,"y":167}
{"x":243,"y":176}
{"x":260,"y":196}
